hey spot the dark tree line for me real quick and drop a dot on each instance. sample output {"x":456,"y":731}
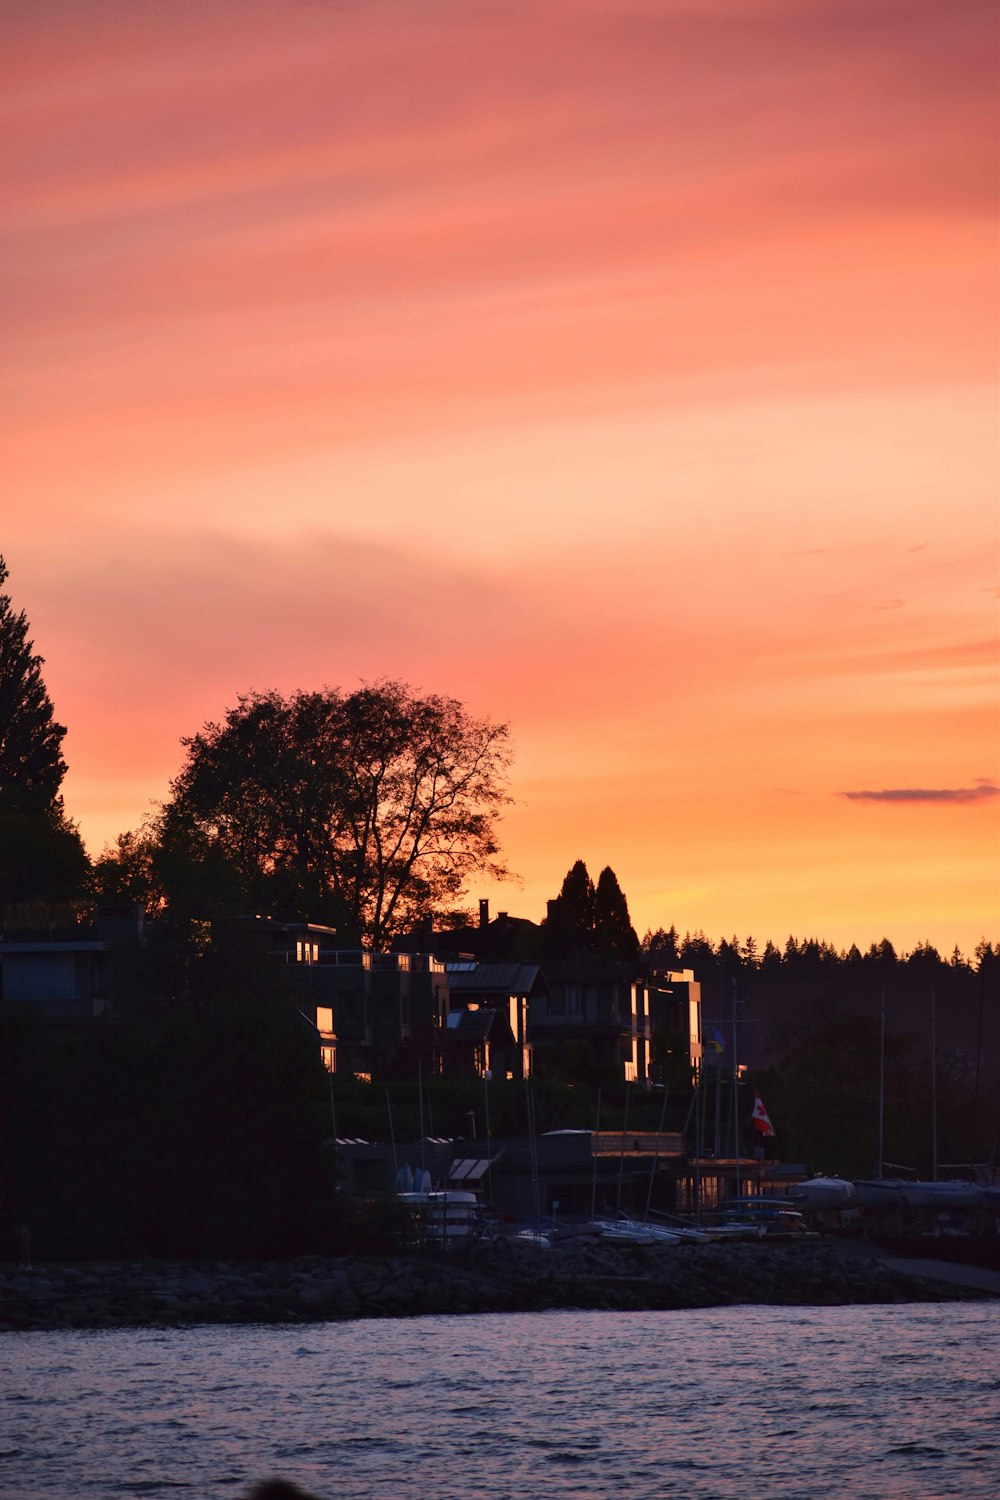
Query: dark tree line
{"x":809,"y":1019}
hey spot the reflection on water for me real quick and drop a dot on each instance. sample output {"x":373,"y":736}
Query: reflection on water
{"x":895,"y":1402}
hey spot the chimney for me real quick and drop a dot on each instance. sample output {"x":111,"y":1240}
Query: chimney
{"x":484,"y":913}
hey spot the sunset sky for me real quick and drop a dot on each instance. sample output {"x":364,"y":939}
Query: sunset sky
{"x":624,"y":368}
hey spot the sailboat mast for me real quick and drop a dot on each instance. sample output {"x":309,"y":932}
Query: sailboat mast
{"x":881,"y":1088}
{"x":736,"y":1100}
{"x":934,"y":1137}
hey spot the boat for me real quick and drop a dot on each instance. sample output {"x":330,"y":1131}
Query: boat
{"x":824,"y":1193}
{"x":758,"y":1218}
{"x":446,"y":1217}
{"x":895,"y":1192}
{"x":941,"y":1195}
{"x":624,"y":1230}
{"x":878,"y":1192}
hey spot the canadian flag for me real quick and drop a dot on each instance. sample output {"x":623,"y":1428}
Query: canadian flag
{"x":760,"y":1117}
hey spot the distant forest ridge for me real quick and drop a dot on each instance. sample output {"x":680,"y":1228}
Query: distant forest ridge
{"x":696,"y":951}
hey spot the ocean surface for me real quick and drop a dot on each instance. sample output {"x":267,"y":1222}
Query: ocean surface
{"x":892,"y":1403}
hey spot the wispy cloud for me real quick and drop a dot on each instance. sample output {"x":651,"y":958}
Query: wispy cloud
{"x":981,"y":791}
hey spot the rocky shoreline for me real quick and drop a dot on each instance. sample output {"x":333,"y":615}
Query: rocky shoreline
{"x":509,"y":1276}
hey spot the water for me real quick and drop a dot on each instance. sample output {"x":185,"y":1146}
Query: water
{"x":892,"y":1403}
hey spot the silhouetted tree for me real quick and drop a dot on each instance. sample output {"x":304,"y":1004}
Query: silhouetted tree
{"x":614,"y":935}
{"x":576,"y":899}
{"x":569,"y":923}
{"x":124,"y":873}
{"x":31,"y":763}
{"x":41,"y":855}
{"x":368,"y":810}
{"x":662,"y":945}
{"x":696,"y":952}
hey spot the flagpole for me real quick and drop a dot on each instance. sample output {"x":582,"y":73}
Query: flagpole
{"x":736,"y":1102}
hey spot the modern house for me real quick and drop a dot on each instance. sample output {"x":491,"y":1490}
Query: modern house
{"x":496,"y":1000}
{"x":65,"y":976}
{"x":56,"y":979}
{"x":378,"y":1009}
{"x":593,"y":1023}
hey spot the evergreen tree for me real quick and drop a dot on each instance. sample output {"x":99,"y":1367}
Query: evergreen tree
{"x":577,"y":898}
{"x":31,"y":763}
{"x":662,"y":946}
{"x":614,"y":935}
{"x":41,"y":856}
{"x":569,"y":925}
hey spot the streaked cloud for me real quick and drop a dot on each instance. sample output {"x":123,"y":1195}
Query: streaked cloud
{"x":981,"y":791}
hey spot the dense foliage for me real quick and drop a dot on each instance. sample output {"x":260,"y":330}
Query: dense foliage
{"x":189,"y":1123}
{"x":368,"y":810}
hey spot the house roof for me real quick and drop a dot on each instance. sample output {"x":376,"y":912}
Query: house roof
{"x":496,"y":979}
{"x":472,"y":1025}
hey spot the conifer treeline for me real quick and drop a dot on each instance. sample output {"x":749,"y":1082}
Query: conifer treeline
{"x":731,"y":956}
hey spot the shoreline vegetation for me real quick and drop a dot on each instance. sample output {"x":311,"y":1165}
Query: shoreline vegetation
{"x":511,"y":1276}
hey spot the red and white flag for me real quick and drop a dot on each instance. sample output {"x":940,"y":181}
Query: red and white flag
{"x":760,"y":1117}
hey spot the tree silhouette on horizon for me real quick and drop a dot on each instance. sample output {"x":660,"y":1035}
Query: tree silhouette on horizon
{"x":41,"y":855}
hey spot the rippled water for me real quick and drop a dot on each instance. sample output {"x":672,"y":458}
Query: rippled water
{"x":749,"y":1402}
